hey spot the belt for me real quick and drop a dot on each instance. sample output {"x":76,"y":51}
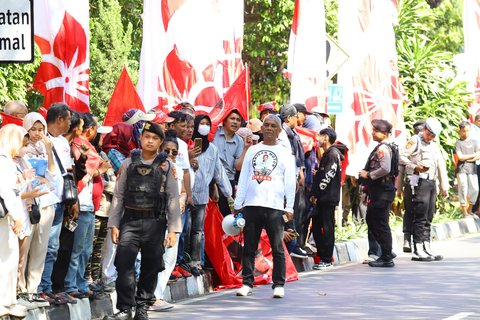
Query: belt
{"x":134,"y":214}
{"x":426,"y":176}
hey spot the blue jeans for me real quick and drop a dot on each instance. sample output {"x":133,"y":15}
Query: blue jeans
{"x":184,"y":236}
{"x":52,"y":251}
{"x":81,"y":252}
{"x":197,"y":235}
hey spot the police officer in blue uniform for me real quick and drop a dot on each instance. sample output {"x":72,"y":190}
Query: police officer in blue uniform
{"x":145,"y":204}
{"x":379,"y":183}
{"x":424,"y":166}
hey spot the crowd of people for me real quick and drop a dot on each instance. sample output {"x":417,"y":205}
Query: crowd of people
{"x":90,"y":209}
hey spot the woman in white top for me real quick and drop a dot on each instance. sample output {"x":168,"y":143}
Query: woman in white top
{"x":34,"y":239}
{"x":11,"y":140}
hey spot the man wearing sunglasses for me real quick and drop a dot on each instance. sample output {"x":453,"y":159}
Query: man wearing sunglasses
{"x":145,"y":204}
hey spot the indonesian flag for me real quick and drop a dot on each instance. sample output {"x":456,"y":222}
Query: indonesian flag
{"x":62,"y":34}
{"x":371,"y":84}
{"x":306,"y":68}
{"x":191,"y":51}
{"x":124,"y":98}
{"x":471,"y":26}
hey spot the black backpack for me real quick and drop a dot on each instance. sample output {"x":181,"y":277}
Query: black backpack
{"x":395,"y":159}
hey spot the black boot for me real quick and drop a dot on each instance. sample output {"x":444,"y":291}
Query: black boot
{"x":121,"y":315}
{"x":407,"y":243}
{"x":419,"y":254}
{"x":428,"y":250}
{"x":141,"y":313}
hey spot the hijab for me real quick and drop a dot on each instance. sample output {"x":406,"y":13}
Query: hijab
{"x":36,"y":149}
{"x":196,"y":122}
{"x":119,"y":139}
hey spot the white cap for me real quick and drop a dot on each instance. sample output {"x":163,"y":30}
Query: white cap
{"x":139,"y":115}
{"x":104,"y":129}
{"x":433,"y":125}
{"x":245,"y":132}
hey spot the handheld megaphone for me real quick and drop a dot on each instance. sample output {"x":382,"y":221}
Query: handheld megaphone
{"x":233,"y":225}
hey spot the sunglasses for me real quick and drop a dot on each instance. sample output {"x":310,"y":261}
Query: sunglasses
{"x":173,"y":152}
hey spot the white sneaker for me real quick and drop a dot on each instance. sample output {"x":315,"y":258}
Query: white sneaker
{"x":3,"y":311}
{"x":18,"y":311}
{"x":278,"y":292}
{"x":244,"y":291}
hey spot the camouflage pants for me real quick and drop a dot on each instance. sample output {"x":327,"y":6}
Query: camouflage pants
{"x":94,"y":267}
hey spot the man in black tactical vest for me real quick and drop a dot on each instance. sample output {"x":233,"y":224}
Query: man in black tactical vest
{"x":145,"y":203}
{"x":379,"y":182}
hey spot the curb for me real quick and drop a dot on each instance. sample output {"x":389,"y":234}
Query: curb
{"x":345,"y":252}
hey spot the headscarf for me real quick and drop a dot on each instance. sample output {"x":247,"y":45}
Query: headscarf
{"x":38,"y":148}
{"x":205,"y":142}
{"x":137,"y":127}
{"x":119,"y":139}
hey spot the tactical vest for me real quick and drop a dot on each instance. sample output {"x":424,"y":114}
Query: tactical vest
{"x":146,"y":185}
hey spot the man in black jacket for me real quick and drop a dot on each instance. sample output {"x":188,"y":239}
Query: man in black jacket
{"x":326,"y":195}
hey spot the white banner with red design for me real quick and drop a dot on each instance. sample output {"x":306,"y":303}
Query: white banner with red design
{"x":62,"y":34}
{"x":471,"y":26}
{"x":370,"y":78}
{"x":191,"y":51}
{"x":306,"y":68}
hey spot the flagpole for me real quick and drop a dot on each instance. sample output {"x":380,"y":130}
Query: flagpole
{"x":247,"y":90}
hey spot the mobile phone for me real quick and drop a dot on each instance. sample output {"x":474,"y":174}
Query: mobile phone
{"x":294,"y":234}
{"x":71,"y":225}
{"x":198,"y":142}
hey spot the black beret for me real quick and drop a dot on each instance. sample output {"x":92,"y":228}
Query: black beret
{"x":419,"y":125}
{"x":382,"y":125}
{"x":154,"y":128}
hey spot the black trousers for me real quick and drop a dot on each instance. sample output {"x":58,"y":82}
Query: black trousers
{"x":256,"y":219}
{"x":475,"y":207}
{"x":408,"y":214}
{"x":145,"y":235}
{"x":378,"y":214}
{"x":423,"y":208}
{"x":223,"y":202}
{"x":323,"y":229}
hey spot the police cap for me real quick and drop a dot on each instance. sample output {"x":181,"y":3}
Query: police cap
{"x":419,"y":125}
{"x":382,"y":125}
{"x":433,"y":125}
{"x":154,"y":128}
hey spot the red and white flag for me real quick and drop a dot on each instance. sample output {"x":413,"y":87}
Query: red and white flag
{"x":471,"y":27}
{"x":370,"y":80}
{"x":62,"y":34}
{"x":124,"y":98}
{"x":191,"y":51}
{"x":306,"y":68}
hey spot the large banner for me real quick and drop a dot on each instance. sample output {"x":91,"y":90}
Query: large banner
{"x":62,"y":34}
{"x":471,"y":26}
{"x":370,"y":78}
{"x":306,"y":68}
{"x":191,"y":51}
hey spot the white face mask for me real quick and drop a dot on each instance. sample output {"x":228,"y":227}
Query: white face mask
{"x":204,"y":129}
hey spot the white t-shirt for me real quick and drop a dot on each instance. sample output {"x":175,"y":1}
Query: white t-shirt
{"x":182,"y":161}
{"x":267,"y":178}
{"x":63,"y":150}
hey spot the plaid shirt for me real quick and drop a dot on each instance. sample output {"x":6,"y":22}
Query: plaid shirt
{"x":116,"y":158}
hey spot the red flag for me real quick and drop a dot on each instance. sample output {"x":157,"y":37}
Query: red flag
{"x":9,"y":119}
{"x":61,"y":33}
{"x":237,"y":98}
{"x":308,"y":137}
{"x":124,"y":98}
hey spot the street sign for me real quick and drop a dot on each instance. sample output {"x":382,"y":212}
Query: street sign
{"x":336,"y":57}
{"x":16,"y":31}
{"x":335,"y":99}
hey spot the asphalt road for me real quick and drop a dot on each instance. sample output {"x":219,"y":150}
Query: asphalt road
{"x":449,"y":289}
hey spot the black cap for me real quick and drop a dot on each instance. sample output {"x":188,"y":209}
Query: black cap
{"x":301,"y":108}
{"x":382,"y":125}
{"x":419,"y":125}
{"x":332,"y":135}
{"x":287,"y":110}
{"x":154,"y":128}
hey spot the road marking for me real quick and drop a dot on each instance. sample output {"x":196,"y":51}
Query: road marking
{"x":458,"y":316}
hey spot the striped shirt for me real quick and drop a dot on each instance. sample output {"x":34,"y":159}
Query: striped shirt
{"x":209,"y":167}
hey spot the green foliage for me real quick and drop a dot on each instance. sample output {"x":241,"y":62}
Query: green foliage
{"x":447,"y":30}
{"x":351,"y":231}
{"x":331,"y":19}
{"x":16,"y":80}
{"x":428,"y":75}
{"x":110,"y":49}
{"x":266,"y":34}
